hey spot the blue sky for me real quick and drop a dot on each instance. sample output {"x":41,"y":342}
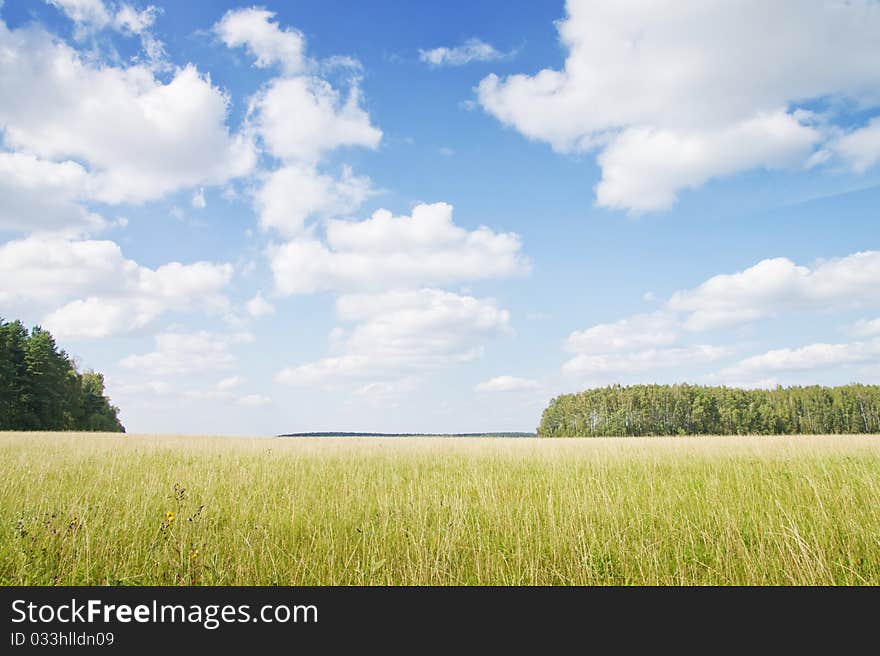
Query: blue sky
{"x":428,"y":217}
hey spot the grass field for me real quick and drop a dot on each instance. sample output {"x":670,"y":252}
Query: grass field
{"x":105,"y":509}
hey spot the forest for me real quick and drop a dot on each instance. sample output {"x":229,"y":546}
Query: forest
{"x":41,"y":389}
{"x":701,"y":410}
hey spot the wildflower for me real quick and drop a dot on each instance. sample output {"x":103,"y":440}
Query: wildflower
{"x":193,"y":554}
{"x":169,"y":518}
{"x":179,"y":493}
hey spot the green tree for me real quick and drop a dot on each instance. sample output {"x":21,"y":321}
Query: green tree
{"x":12,"y":373}
{"x":696,"y":410}
{"x":40,"y":388}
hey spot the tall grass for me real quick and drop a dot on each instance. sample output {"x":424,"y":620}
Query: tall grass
{"x":94,"y":509}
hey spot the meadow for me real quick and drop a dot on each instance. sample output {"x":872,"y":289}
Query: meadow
{"x":169,"y":510}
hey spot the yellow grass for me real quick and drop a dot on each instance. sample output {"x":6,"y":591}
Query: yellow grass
{"x":105,"y":509}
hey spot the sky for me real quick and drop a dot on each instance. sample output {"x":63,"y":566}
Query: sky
{"x":435,"y":217}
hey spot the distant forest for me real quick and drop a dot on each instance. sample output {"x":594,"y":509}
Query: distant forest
{"x":358,"y":434}
{"x":696,"y":410}
{"x":41,"y":390}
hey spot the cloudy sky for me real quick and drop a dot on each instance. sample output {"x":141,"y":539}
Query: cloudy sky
{"x":390,"y":216}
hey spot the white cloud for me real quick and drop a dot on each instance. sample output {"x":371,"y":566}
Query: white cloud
{"x":470,"y":51}
{"x":230,"y":383}
{"x":186,"y":354}
{"x":41,"y":196}
{"x":671,"y":98}
{"x":292,"y":194}
{"x":198,"y":200}
{"x":769,"y":288}
{"x":643,"y":168}
{"x":324,"y":120}
{"x":138,"y":388}
{"x":507,"y":384}
{"x":189,"y":347}
{"x":137,"y":136}
{"x":96,"y":317}
{"x":385,"y":393}
{"x":637,"y":332}
{"x":776,"y":285}
{"x":860,"y":149}
{"x":93,"y":15}
{"x":259,"y":306}
{"x":640,"y":343}
{"x":254,"y":29}
{"x":253,"y":400}
{"x":812,"y":356}
{"x":772,"y":287}
{"x":403,"y":333}
{"x":762,"y":383}
{"x":36,"y":269}
{"x":643,"y":360}
{"x":385,"y":251}
{"x":102,"y":293}
{"x":866,"y":328}
{"x":129,"y":19}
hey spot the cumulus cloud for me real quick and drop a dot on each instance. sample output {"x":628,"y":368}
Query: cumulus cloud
{"x":670,"y":98}
{"x":778,"y":285}
{"x":636,"y":332}
{"x":325,"y":119}
{"x":385,"y":393}
{"x":193,"y":369}
{"x":643,"y":168}
{"x":89,"y":13}
{"x":256,"y":31}
{"x":93,"y":15}
{"x":221,"y":390}
{"x":187,"y":353}
{"x":198,"y":200}
{"x":507,"y":384}
{"x":129,"y":19}
{"x":396,"y":334}
{"x":292,"y":194}
{"x":470,"y":51}
{"x":770,"y":288}
{"x":860,"y":149}
{"x":253,"y":400}
{"x":812,"y":356}
{"x":135,"y":136}
{"x":602,"y":365}
{"x":100,"y":292}
{"x":42,"y":196}
{"x":643,"y":342}
{"x":866,"y":328}
{"x":387,"y":251}
{"x":403,"y":333}
{"x":259,"y":307}
{"x":230,"y":383}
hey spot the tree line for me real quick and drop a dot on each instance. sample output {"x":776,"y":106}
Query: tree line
{"x":40,"y":388}
{"x":636,"y":410}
